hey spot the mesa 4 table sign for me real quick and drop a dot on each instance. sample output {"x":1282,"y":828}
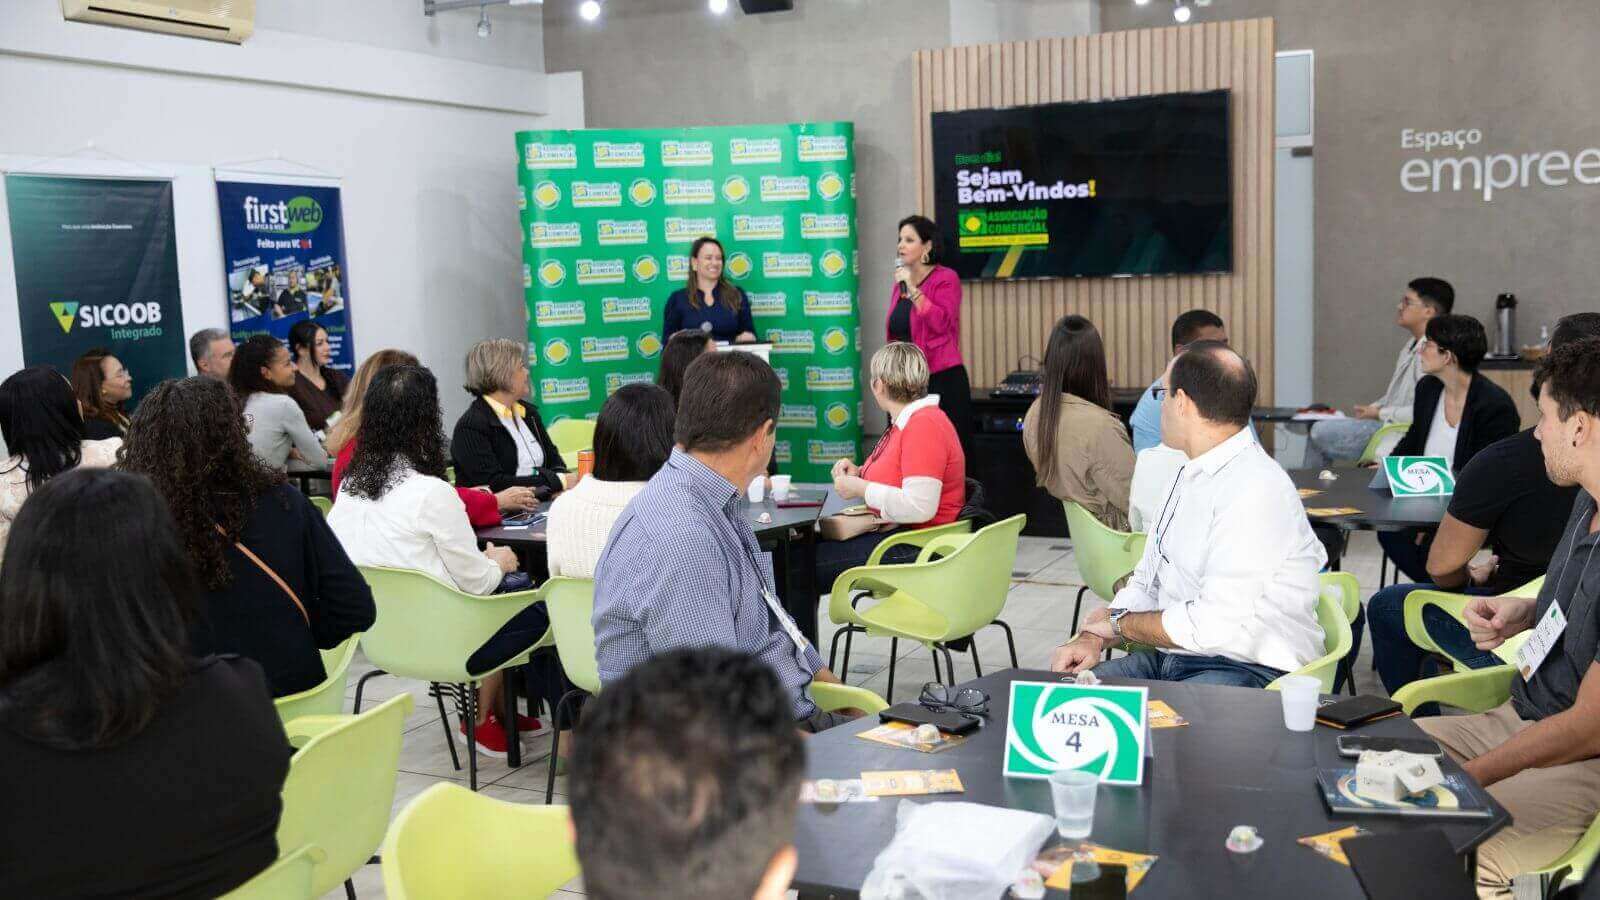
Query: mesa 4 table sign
{"x":1098,"y":729}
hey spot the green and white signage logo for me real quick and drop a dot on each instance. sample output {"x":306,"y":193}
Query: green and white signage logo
{"x":1419,"y":476}
{"x":607,"y":218}
{"x":1098,"y":729}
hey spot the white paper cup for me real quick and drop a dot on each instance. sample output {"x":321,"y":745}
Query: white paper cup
{"x":780,"y":486}
{"x":1299,"y":693}
{"x":758,"y":489}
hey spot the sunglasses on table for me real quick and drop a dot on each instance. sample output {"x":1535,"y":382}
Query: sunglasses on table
{"x":941,"y":698}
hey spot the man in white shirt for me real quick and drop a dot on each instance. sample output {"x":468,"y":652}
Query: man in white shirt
{"x":1345,"y":438}
{"x":1226,"y":592}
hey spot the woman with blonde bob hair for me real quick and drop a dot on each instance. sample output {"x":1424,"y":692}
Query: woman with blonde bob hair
{"x":916,"y":476}
{"x":483,"y":508}
{"x":500,"y":441}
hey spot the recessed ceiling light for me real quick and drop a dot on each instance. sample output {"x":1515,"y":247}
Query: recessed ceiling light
{"x":589,"y":9}
{"x":1182,"y":14}
{"x":718,"y":6}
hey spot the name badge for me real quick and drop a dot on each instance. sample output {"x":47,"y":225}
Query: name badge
{"x":783,"y":618}
{"x":1530,"y":656}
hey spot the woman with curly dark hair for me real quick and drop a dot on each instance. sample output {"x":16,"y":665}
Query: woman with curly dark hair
{"x":395,"y":509}
{"x":278,"y":586}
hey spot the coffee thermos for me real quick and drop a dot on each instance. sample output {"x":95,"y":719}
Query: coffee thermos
{"x":1505,"y":322}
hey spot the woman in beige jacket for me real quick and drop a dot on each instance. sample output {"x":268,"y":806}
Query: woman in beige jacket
{"x":1079,"y":448}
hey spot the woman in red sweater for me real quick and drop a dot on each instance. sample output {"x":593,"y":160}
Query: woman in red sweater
{"x":915,"y":477}
{"x":483,"y":508}
{"x":925,"y":310}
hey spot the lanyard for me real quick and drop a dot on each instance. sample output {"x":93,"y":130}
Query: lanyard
{"x":773,"y":606}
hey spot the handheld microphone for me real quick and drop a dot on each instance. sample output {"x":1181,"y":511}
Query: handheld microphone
{"x":900,"y":292}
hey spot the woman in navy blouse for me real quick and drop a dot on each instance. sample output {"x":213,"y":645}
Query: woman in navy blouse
{"x":717,"y":306}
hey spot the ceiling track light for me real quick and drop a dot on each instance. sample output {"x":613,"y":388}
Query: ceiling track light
{"x":1182,"y":14}
{"x":483,"y":21}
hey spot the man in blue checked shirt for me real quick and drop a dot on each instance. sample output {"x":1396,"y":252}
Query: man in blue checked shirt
{"x":682,"y":567}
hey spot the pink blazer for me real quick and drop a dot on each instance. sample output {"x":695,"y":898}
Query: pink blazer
{"x":936,"y":326}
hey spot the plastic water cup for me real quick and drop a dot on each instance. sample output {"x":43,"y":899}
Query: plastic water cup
{"x":1073,"y":793}
{"x":758,"y":489}
{"x":1299,"y":693}
{"x":780,"y":486}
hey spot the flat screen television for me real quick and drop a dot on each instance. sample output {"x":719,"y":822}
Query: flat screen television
{"x":1140,"y":186}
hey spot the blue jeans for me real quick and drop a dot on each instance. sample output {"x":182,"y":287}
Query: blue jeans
{"x":1333,"y":439}
{"x":1159,"y":666}
{"x":1400,"y":661}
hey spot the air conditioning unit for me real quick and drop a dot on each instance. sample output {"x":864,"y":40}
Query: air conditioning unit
{"x":214,"y":20}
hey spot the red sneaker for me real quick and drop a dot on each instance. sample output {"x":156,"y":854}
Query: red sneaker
{"x":529,"y":726}
{"x":491,"y":737}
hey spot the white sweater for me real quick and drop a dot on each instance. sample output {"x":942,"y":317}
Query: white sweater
{"x":419,"y":523}
{"x":580,"y":522}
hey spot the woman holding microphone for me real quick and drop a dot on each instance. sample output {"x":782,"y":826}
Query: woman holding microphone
{"x":709,"y":302}
{"x":925,"y":310}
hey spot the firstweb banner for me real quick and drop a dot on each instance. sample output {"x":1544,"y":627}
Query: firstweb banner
{"x":608,"y":217}
{"x":283,"y":249}
{"x":97,"y":266}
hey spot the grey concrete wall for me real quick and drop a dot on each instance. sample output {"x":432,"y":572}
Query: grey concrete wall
{"x":1526,"y":74}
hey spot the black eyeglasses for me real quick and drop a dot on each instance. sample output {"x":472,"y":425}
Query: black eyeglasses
{"x":967,"y":701}
{"x":1160,"y":393}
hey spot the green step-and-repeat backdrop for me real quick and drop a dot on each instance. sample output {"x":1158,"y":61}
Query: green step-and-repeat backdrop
{"x":608,"y":216}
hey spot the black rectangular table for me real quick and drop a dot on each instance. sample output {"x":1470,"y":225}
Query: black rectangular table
{"x":1234,"y":764}
{"x":1380,"y":511}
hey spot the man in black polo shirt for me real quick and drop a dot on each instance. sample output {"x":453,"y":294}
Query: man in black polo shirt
{"x":1537,"y":753}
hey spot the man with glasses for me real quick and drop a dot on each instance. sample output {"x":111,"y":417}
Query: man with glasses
{"x":1333,"y":439}
{"x":1226,"y":591}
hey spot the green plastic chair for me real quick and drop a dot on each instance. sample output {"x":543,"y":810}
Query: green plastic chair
{"x":1455,"y":605}
{"x":1105,"y":555}
{"x":340,"y":788}
{"x":452,"y":844}
{"x":570,"y":602}
{"x":287,"y":879}
{"x":426,"y":630}
{"x":1337,"y":639}
{"x":327,"y":698}
{"x":831,"y":697}
{"x":917,"y":537}
{"x":1344,"y":586}
{"x":1381,"y":442}
{"x":957,"y":585}
{"x":572,"y":436}
{"x":324,"y":505}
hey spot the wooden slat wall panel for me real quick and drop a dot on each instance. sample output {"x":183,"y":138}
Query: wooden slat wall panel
{"x":1005,"y":321}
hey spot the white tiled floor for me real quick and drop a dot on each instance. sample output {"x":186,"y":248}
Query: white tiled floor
{"x":1045,"y":580}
